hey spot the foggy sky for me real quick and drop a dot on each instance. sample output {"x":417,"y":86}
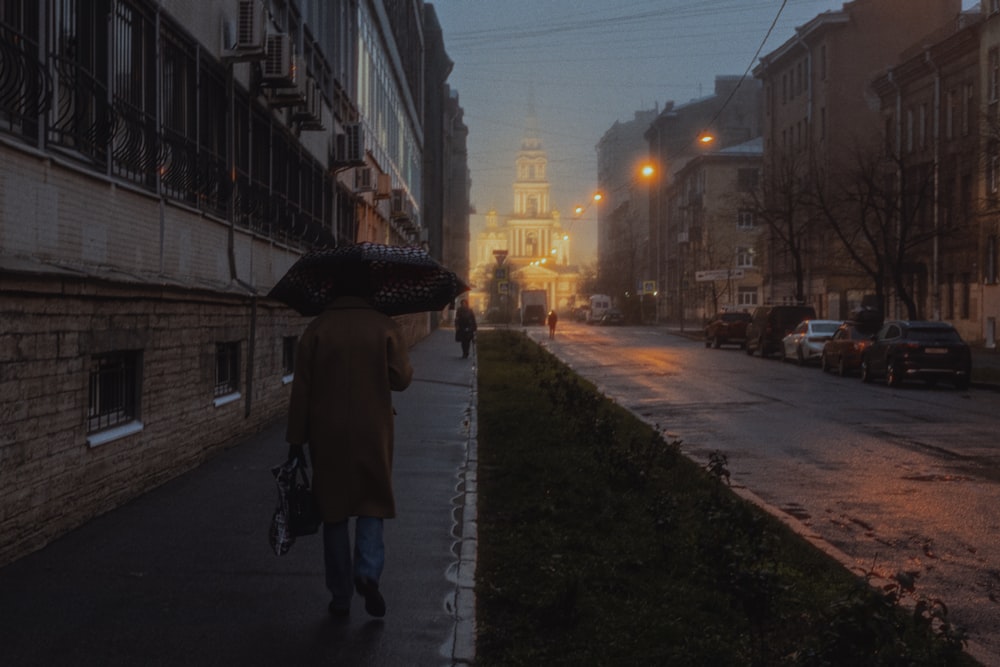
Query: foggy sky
{"x":590,"y":63}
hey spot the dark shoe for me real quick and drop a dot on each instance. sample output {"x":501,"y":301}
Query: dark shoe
{"x":337,"y":612}
{"x":374,"y":602}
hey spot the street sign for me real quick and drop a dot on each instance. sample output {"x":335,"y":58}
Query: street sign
{"x":500,"y":255}
{"x":718,"y":274}
{"x":503,"y":287}
{"x":648,"y":287}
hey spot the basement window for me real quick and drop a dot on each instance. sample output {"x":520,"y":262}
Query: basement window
{"x":113,"y":396}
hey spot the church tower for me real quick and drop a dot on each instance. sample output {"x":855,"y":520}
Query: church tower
{"x":531,"y":187}
{"x":536,"y":246}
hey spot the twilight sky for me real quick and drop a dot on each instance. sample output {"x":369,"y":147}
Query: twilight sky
{"x":589,"y":63}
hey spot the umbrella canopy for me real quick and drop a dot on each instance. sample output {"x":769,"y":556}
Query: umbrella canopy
{"x":395,"y":279}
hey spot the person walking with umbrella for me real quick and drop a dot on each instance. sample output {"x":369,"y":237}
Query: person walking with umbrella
{"x":349,"y":360}
{"x":465,"y":326}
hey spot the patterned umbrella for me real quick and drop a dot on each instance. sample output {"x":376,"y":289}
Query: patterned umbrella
{"x":395,"y":279}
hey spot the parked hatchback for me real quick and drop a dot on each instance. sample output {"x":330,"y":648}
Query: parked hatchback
{"x":725,"y":328}
{"x":772,"y":323}
{"x":928,"y":351}
{"x":843,"y":352}
{"x":805,"y":343}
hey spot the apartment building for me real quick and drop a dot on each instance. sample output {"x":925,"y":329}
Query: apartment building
{"x":931,"y":115}
{"x":163,"y":163}
{"x":679,"y":134}
{"x":717,"y":259}
{"x":819,"y":117}
{"x":623,"y":223}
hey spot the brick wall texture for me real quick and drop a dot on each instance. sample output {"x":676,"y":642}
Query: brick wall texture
{"x":88,"y":267}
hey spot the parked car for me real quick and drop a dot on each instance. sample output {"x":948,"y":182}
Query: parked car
{"x":929,"y":351}
{"x":726,"y":328}
{"x":769,"y":324}
{"x":805,"y":343}
{"x":843,"y":352}
{"x":612,"y":317}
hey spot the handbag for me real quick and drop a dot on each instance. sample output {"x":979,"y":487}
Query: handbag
{"x":297,"y":512}
{"x":303,"y":511}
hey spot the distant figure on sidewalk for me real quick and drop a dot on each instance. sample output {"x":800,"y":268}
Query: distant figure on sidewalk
{"x":551,"y":320}
{"x":465,"y":326}
{"x":349,"y":360}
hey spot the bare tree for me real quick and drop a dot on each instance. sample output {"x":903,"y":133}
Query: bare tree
{"x":781,"y":200}
{"x":879,"y":209}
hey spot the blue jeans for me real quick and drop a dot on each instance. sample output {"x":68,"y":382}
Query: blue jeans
{"x":369,"y":556}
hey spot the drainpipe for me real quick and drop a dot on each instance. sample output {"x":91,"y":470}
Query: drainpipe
{"x":936,"y":138}
{"x":899,"y":145}
{"x":809,"y":152}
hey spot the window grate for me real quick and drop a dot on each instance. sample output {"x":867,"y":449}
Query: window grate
{"x":227,"y":368}
{"x":114,"y":390}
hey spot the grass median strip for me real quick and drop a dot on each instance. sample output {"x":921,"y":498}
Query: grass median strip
{"x":601,"y":544}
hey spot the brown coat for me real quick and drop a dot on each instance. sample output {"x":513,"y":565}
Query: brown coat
{"x":349,"y":359}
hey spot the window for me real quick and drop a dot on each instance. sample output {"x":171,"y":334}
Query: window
{"x":909,"y":130}
{"x":922,"y":127}
{"x":746,"y":296}
{"x":746,"y":180}
{"x":744,"y":257}
{"x":949,"y":117}
{"x":227,"y":368}
{"x":822,"y":61}
{"x":990,"y":271}
{"x":949,"y":291}
{"x":967,"y":109}
{"x":994,"y":6}
{"x":288,"y":345}
{"x":992,"y":165}
{"x":966,"y":296}
{"x":745,"y":220}
{"x":113,"y":396}
{"x":994,"y":91}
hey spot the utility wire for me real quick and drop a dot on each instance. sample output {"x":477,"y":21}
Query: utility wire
{"x":753,"y":60}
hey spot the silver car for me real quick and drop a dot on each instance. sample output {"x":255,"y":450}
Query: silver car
{"x":805,"y":343}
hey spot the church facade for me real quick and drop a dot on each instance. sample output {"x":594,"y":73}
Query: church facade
{"x":531,"y":242}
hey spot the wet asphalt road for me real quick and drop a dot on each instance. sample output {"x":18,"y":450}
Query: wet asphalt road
{"x":893,"y":479}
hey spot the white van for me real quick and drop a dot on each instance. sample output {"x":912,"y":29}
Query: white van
{"x":599,"y":305}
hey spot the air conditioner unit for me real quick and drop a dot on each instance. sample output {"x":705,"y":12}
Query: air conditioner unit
{"x":397,"y":207}
{"x":245,"y":37}
{"x":363,"y":181}
{"x":279,"y":69}
{"x":383,"y":188}
{"x":350,"y":149}
{"x":309,"y":114}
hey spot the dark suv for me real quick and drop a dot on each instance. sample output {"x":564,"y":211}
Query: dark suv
{"x":929,"y":351}
{"x":772,"y":323}
{"x":727,"y":327}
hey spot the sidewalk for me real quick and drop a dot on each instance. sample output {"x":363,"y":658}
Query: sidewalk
{"x":184,"y":575}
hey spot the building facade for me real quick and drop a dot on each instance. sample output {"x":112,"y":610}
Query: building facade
{"x":728,"y":117}
{"x":163,"y":163}
{"x":931,"y":116}
{"x":717,"y":263}
{"x":986,"y":187}
{"x":820,"y":118}
{"x":624,"y":263}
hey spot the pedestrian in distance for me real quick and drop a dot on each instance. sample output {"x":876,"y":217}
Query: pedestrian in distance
{"x":551,"y":320}
{"x":465,"y":326}
{"x":349,"y":360}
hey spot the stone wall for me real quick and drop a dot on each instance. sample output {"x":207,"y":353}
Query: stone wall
{"x":52,"y":327}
